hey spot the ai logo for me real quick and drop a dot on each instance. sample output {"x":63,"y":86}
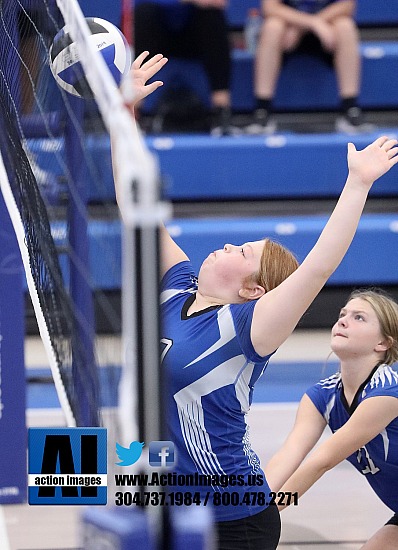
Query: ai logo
{"x":161,"y":453}
{"x":67,"y":466}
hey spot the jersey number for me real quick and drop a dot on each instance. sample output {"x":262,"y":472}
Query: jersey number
{"x":165,"y":344}
{"x":366,"y":462}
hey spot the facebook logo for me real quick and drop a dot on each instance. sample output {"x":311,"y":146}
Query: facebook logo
{"x":161,"y":453}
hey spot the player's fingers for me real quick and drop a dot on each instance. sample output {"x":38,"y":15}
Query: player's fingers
{"x":392,"y":152}
{"x":139,"y":60}
{"x":381,"y":141}
{"x":152,"y":61}
{"x":155,"y":68}
{"x":389,"y":143}
{"x":152,"y":87}
{"x":393,"y":161}
{"x":351,"y":148}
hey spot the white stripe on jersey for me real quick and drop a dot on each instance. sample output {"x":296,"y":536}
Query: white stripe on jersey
{"x":242,"y":387}
{"x":227,"y":333}
{"x":331,"y":382}
{"x":167,"y":294}
{"x":197,"y":440}
{"x":386,"y":443}
{"x":328,"y":409}
{"x":383,"y":375}
{"x":189,"y":399}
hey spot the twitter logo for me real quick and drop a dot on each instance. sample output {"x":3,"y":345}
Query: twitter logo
{"x":129,"y":455}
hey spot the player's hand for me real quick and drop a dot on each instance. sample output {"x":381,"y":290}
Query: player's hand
{"x":135,"y":87}
{"x":371,"y":163}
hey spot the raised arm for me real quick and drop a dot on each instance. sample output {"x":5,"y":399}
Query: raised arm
{"x":307,"y":430}
{"x":135,"y":89}
{"x":369,"y":420}
{"x":171,"y":253}
{"x":277,"y":313}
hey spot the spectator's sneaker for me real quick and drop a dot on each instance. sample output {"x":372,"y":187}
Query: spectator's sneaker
{"x":352,"y":122}
{"x":262,"y":124}
{"x":221,"y":124}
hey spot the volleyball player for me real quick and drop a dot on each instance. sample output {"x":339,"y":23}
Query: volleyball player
{"x":218,"y":332}
{"x":359,"y":403}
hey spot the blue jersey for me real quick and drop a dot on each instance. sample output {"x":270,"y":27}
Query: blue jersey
{"x":309,"y":6}
{"x":211,"y":368}
{"x":378,"y":459}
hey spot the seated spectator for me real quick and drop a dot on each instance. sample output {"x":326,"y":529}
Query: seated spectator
{"x":324,"y":28}
{"x":193,"y":29}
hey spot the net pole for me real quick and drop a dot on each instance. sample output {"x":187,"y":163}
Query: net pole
{"x":142,"y":214}
{"x":80,"y":290}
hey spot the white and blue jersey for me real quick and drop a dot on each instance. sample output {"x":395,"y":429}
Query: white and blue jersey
{"x":378,"y":459}
{"x":211,"y":368}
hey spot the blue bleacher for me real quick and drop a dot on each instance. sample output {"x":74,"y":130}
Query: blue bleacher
{"x":305,"y":83}
{"x":237,"y":168}
{"x":366,"y":261}
{"x":256,"y":167}
{"x":369,"y":12}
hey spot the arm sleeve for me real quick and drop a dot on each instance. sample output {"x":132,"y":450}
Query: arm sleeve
{"x":315,"y":394}
{"x":242,"y":315}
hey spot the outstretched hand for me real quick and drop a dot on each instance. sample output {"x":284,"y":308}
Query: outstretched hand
{"x":372,"y":162}
{"x":135,"y":88}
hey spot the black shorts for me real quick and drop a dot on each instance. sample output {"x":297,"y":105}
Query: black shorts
{"x":259,"y":532}
{"x":311,"y":45}
{"x":393,"y":520}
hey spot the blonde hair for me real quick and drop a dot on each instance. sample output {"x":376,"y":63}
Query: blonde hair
{"x":386,"y":309}
{"x":276,"y":264}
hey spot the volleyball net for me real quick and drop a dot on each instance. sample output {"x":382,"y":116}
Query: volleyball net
{"x":56,"y":180}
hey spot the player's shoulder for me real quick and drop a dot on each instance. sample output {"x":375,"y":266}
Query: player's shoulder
{"x":330,"y":383}
{"x":323,"y":394}
{"x":180,"y":277}
{"x":325,"y":388}
{"x":384,"y":379}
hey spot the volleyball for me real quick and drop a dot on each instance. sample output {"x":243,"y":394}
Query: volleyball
{"x":65,"y":59}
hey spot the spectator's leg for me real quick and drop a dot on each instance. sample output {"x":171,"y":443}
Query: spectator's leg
{"x":150,"y":34}
{"x":268,"y":59}
{"x":347,"y":57}
{"x":275,"y":39}
{"x":347,"y":64}
{"x":211,"y":35}
{"x":149,"y":30}
{"x":209,"y":31}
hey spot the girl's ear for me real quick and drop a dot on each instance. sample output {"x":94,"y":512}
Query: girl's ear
{"x":384,"y":345}
{"x":252,"y":292}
